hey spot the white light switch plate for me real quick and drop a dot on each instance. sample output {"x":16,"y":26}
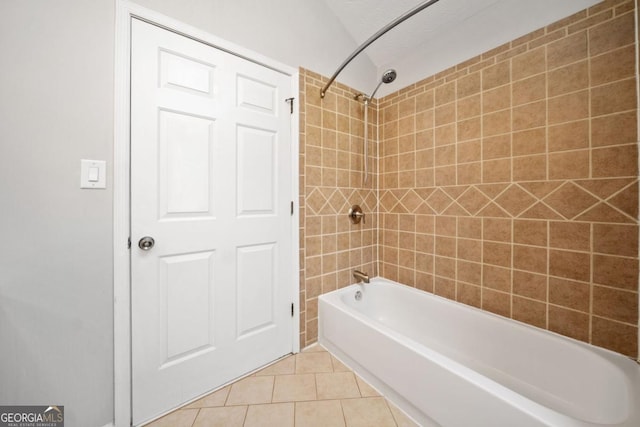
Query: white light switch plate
{"x":93,"y":174}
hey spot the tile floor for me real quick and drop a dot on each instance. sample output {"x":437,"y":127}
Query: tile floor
{"x":309,"y":389}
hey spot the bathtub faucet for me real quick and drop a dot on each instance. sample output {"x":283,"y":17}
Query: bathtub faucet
{"x":364,"y":277}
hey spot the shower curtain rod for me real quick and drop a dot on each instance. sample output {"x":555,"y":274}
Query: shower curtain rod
{"x":375,"y":37}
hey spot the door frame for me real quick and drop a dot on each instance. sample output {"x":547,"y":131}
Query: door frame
{"x":125,"y":11}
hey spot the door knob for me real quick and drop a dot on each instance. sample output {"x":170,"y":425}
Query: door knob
{"x":146,"y":243}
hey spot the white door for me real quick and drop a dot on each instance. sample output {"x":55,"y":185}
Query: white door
{"x":211,"y":185}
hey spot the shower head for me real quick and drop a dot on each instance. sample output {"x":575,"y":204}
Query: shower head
{"x":387,"y":77}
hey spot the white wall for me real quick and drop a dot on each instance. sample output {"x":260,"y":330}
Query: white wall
{"x":56,"y":107}
{"x":295,"y":32}
{"x":56,"y":90}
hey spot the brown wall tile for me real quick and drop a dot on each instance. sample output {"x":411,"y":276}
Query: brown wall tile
{"x":469,"y":294}
{"x":612,"y":34}
{"x":530,"y":285}
{"x":613,"y":97}
{"x":529,"y":168}
{"x":530,"y":152}
{"x":569,"y":294}
{"x":496,"y":147}
{"x":615,"y":161}
{"x":570,"y":165}
{"x":568,"y":322}
{"x":496,"y":278}
{"x":530,"y":311}
{"x":567,"y":50}
{"x":468,"y":85}
{"x":496,"y":99}
{"x":496,"y":229}
{"x":496,"y":123}
{"x":614,"y":65}
{"x":469,"y":272}
{"x":530,"y":116}
{"x":570,"y":265}
{"x":615,"y":239}
{"x":470,"y":228}
{"x":616,"y":271}
{"x":615,"y":304}
{"x":570,"y":235}
{"x":614,"y":129}
{"x":496,"y":254}
{"x":496,"y":302}
{"x":470,"y":250}
{"x":469,"y":107}
{"x":570,"y":78}
{"x":529,"y":63}
{"x":530,"y":89}
{"x":531,"y":141}
{"x":496,"y":75}
{"x":615,"y":336}
{"x":529,"y":258}
{"x":569,"y":136}
{"x":570,"y":107}
{"x":530,"y":232}
{"x":496,"y":171}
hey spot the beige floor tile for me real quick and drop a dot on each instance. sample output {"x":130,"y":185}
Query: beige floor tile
{"x":313,"y":347}
{"x":272,"y":415}
{"x":338,"y":366}
{"x":323,"y":413}
{"x":337,"y":385}
{"x":402,"y":420}
{"x":367,"y":412}
{"x":251,"y":390}
{"x":293,"y":388}
{"x":179,"y":418}
{"x":313,"y":362}
{"x":217,"y":398}
{"x":281,"y":367}
{"x":230,"y":416}
{"x":365,"y":389}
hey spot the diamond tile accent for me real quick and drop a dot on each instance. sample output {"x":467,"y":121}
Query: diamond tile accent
{"x":411,"y":201}
{"x":604,"y":187}
{"x":424,"y":193}
{"x":541,"y":189}
{"x":455,"y":209}
{"x":540,"y":211}
{"x":439,"y":201}
{"x":570,"y":200}
{"x":515,"y":200}
{"x":424,"y":209}
{"x":315,"y":201}
{"x":473,"y":200}
{"x":371,"y":201}
{"x":399,"y":208}
{"x":454,"y":192}
{"x":492,"y":190}
{"x":626,"y":200}
{"x":388,"y":201}
{"x":493,"y":210}
{"x":602,"y":212}
{"x":338,"y":202}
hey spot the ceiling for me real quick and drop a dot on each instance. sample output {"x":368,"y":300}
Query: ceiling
{"x":444,"y":34}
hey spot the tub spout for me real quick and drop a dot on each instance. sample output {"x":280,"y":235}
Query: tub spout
{"x":364,"y":277}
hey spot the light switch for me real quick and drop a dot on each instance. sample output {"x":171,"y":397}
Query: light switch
{"x":93,"y":174}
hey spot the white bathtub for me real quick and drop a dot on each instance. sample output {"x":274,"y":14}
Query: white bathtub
{"x":449,"y":364}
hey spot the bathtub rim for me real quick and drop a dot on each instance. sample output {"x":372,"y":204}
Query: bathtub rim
{"x":629,"y":367}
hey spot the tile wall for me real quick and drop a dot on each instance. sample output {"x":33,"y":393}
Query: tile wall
{"x":508,"y":182}
{"x":331,"y":181}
